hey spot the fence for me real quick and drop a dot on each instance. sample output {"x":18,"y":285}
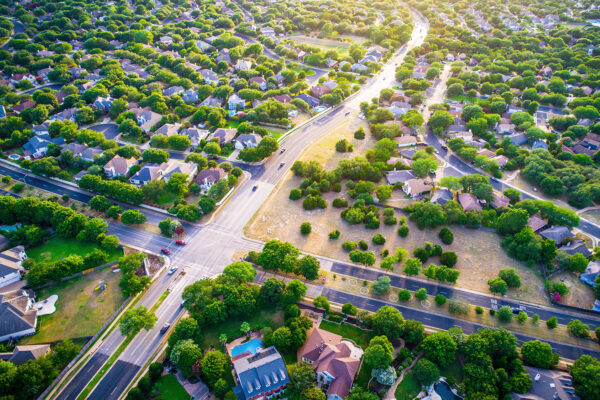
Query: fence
{"x":84,"y":349}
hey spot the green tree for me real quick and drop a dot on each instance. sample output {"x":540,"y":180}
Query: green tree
{"x":136,"y":319}
{"x":538,"y":354}
{"x":387,"y":321}
{"x":426,"y":372}
{"x":440,"y":348}
{"x":302,"y":377}
{"x":578,"y":328}
{"x":585,"y":372}
{"x":379,"y":353}
{"x":130,"y":217}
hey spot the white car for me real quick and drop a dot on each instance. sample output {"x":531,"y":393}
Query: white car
{"x":537,"y":377}
{"x":172,"y":270}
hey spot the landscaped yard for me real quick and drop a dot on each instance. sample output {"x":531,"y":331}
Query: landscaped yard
{"x":409,"y":388}
{"x":80,"y":309}
{"x":57,"y":247}
{"x":347,"y":331}
{"x":169,"y":388}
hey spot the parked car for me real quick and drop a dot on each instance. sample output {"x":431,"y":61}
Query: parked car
{"x":537,"y":377}
{"x":165,"y":328}
{"x":254,"y":188}
{"x":172,"y":270}
{"x":165,"y":251}
{"x":180,"y":242}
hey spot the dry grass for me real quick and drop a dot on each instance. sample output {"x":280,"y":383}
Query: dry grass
{"x":280,"y":218}
{"x":580,"y":294}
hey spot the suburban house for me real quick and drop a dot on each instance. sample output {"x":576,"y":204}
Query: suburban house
{"x":194,"y":134}
{"x":22,"y":354}
{"x":406,"y":141}
{"x":167,"y":130}
{"x":243,"y":65}
{"x":416,"y":187}
{"x":208,"y":177}
{"x":235,"y":102}
{"x":10,"y":265}
{"x":23,"y":105}
{"x":590,"y":274}
{"x":260,"y":81}
{"x":536,"y":222}
{"x":17,"y":317}
{"x":336,"y":361}
{"x":320,"y":90}
{"x":118,"y":166}
{"x":247,"y":140}
{"x":37,"y":145}
{"x":441,"y":196}
{"x":178,"y":166}
{"x":499,"y":200}
{"x":190,"y":96}
{"x":209,"y":76}
{"x":81,"y":150}
{"x":261,"y":375}
{"x":283,"y":98}
{"x":212,"y":101}
{"x":41,"y":129}
{"x":103,"y":103}
{"x":311,"y":101}
{"x":401,"y":176}
{"x":576,"y":246}
{"x":65,"y":115}
{"x":556,"y":233}
{"x":147,"y":173}
{"x":468,"y":202}
{"x":224,"y":135}
{"x":173,"y":90}
{"x":146,"y":118}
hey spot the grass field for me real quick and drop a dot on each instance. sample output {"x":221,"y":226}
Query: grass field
{"x":169,"y":388}
{"x":80,"y":310}
{"x":409,"y":388}
{"x":323,"y":44}
{"x":357,"y":335}
{"x":56,"y":248}
{"x":580,"y":294}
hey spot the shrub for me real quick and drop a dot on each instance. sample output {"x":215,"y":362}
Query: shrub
{"x":552,"y":323}
{"x":535,"y":318}
{"x":522,"y":317}
{"x":446,"y":236}
{"x":448,"y":259}
{"x":578,"y":328}
{"x":458,"y":306}
{"x":404,"y":295}
{"x":403,"y":230}
{"x":295,"y":194}
{"x":359,"y":134}
{"x":340,"y":203}
{"x":505,"y":314}
{"x":421,"y":254}
{"x":312,"y":202}
{"x":18,"y":187}
{"x":440,"y":299}
{"x":334,"y":234}
{"x":421,"y":294}
{"x":305,"y":228}
{"x":349,"y":245}
{"x":479,"y":310}
{"x":363,"y":245}
{"x":379,"y":239}
{"x":349,"y":309}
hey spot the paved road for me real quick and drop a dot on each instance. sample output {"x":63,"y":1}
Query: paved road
{"x":430,"y":319}
{"x":18,"y":27}
{"x":473,"y":298}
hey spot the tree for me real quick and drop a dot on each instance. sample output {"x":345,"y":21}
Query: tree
{"x":313,"y":393}
{"x":184,"y":355}
{"x":387,"y":321}
{"x":413,"y":331}
{"x":271,"y":291}
{"x":578,"y":263}
{"x":578,"y":328}
{"x":552,"y":322}
{"x":213,"y":366}
{"x":63,"y":352}
{"x":302,"y":377}
{"x":168,"y":226}
{"x":308,"y":266}
{"x":511,"y":278}
{"x":379,"y":352}
{"x":381,"y":285}
{"x":186,"y":328}
{"x":422,"y":166}
{"x":349,"y":309}
{"x":131,"y":217}
{"x":305,"y":228}
{"x":585,"y":372}
{"x":427,"y":215}
{"x":513,"y":221}
{"x":421,"y":294}
{"x":440,"y":120}
{"x":239,"y":272}
{"x":505,"y":314}
{"x":440,"y":348}
{"x":538,"y":354}
{"x":135,"y":319}
{"x":321,"y":302}
{"x":448,"y":258}
{"x":426,"y":372}
{"x":446,"y":236}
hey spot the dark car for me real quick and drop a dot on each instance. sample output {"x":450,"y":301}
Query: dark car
{"x":254,"y":188}
{"x":165,"y":328}
{"x":165,"y":251}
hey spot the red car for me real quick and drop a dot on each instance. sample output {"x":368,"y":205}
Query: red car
{"x":180,"y":242}
{"x":165,"y":251}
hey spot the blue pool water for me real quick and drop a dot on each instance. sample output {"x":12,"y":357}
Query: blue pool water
{"x":252,"y":346}
{"x":443,"y":389}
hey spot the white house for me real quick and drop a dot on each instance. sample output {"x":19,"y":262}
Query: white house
{"x":247,"y":140}
{"x":235,"y":102}
{"x":10,"y":265}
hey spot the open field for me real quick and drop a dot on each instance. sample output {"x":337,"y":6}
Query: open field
{"x":323,"y":44}
{"x":359,"y":336}
{"x":169,"y":388}
{"x":56,"y":248}
{"x":478,"y":260}
{"x":80,"y":310}
{"x":580,"y":294}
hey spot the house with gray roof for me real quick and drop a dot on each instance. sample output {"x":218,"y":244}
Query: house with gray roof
{"x":10,"y":265}
{"x":401,"y":176}
{"x":235,"y":102}
{"x":81,"y":150}
{"x":168,"y":130}
{"x":209,"y":76}
{"x":574,"y":247}
{"x":17,"y":317}
{"x":208,"y":177}
{"x":146,"y":118}
{"x":518,"y":138}
{"x":65,"y":115}
{"x":310,"y":100}
{"x":22,"y":354}
{"x":556,"y":233}
{"x":177,"y":166}
{"x":441,"y":196}
{"x":260,"y":375}
{"x":118,"y":166}
{"x":590,"y":274}
{"x":194,"y":134}
{"x":103,"y":103}
{"x":190,"y":96}
{"x":147,"y":173}
{"x":37,"y":145}
{"x":212,"y":101}
{"x":247,"y":140}
{"x":170,"y":91}
{"x":539,"y":144}
{"x":224,"y":135}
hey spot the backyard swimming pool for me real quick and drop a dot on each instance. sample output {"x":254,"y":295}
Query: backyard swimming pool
{"x":443,"y":389}
{"x":252,"y":346}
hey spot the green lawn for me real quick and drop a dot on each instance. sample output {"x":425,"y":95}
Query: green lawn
{"x":409,"y":388}
{"x":80,"y":309}
{"x":363,"y":377}
{"x":265,"y":317}
{"x":57,"y":247}
{"x":455,"y":369}
{"x":169,"y":388}
{"x":357,"y":335}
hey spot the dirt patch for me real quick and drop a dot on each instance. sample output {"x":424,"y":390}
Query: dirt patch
{"x":580,"y":294}
{"x":155,"y":263}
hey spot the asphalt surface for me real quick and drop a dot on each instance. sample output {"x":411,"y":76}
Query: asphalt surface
{"x":78,"y":383}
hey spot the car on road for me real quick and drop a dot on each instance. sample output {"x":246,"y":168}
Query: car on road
{"x":165,"y":251}
{"x":180,"y":242}
{"x":445,"y":147}
{"x":254,"y":188}
{"x":282,"y":150}
{"x":165,"y":328}
{"x":281,"y":164}
{"x":172,"y":270}
{"x":537,"y":377}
